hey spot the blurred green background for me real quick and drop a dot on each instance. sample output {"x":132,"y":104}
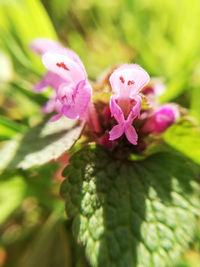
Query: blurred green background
{"x":162,"y":36}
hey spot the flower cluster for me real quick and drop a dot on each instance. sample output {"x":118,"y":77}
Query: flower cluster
{"x":126,"y":113}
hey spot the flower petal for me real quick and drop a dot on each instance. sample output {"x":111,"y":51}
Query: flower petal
{"x":116,"y":131}
{"x":56,"y":117}
{"x":132,"y":76}
{"x":69,"y":112}
{"x":135,"y":111}
{"x":53,"y":104}
{"x":115,"y":110}
{"x":42,"y":45}
{"x":82,"y":97}
{"x":50,"y":79}
{"x":64,"y":67}
{"x":131,"y":134}
{"x":40,"y":86}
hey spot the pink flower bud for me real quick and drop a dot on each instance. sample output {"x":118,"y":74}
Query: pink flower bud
{"x":161,"y":119}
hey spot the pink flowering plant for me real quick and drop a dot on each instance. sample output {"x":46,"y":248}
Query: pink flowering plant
{"x":127,"y":162}
{"x":123,"y":120}
{"x":124,"y":166}
{"x":99,"y":133}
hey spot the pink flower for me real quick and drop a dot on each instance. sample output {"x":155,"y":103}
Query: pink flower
{"x":162,"y":119}
{"x":67,"y":75}
{"x":74,"y":92}
{"x":40,"y":46}
{"x":125,"y":104}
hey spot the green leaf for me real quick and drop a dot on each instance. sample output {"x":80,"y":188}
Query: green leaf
{"x":6,"y":73}
{"x":140,"y":213}
{"x":15,"y":50}
{"x":195,"y":107}
{"x":11,"y":125}
{"x":184,"y":136}
{"x":21,"y":22}
{"x":58,"y":10}
{"x":29,"y":19}
{"x":42,"y":143}
{"x":12,"y":193}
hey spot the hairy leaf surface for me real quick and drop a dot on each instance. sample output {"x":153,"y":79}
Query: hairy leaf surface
{"x":44,"y":142}
{"x":140,"y":213}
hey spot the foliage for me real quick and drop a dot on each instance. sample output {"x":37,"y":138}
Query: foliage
{"x":131,"y":213}
{"x":41,"y":144}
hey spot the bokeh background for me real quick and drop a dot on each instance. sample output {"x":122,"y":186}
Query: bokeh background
{"x":162,"y":36}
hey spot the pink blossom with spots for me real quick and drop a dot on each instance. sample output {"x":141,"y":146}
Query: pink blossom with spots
{"x":40,"y":46}
{"x":74,"y":92}
{"x":125,"y":104}
{"x":67,"y":75}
